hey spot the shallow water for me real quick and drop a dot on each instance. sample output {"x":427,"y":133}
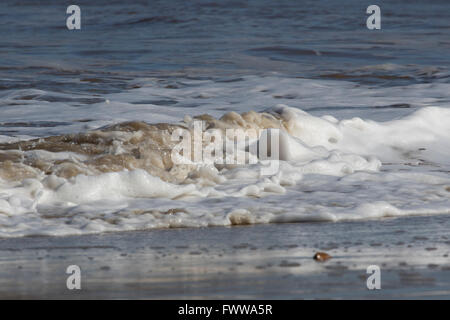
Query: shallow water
{"x":255,"y":262}
{"x":364,"y":114}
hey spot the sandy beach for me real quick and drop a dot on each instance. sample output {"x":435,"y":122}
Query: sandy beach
{"x":255,"y":262}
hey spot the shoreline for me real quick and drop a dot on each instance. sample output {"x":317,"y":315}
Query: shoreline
{"x":268,"y":261}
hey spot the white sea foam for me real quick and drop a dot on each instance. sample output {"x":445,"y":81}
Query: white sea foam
{"x":332,"y":167}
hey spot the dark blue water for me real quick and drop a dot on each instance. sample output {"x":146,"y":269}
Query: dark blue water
{"x":221,"y":40}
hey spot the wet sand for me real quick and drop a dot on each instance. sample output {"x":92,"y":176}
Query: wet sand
{"x":247,"y":262}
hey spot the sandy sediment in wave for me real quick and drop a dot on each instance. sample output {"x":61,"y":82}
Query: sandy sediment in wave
{"x":128,"y":145}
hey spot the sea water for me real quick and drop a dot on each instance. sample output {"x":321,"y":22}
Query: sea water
{"x":86,"y":116}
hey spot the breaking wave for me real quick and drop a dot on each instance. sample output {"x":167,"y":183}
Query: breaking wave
{"x":123,"y":177}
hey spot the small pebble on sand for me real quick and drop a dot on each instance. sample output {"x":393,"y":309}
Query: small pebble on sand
{"x":321,"y":256}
